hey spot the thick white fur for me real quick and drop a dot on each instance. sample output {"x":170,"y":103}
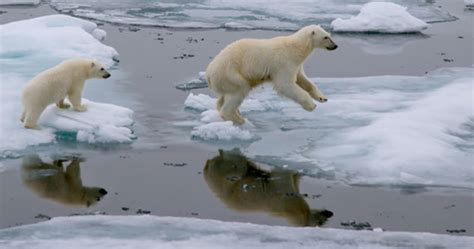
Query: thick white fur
{"x":248,"y":63}
{"x":54,"y":84}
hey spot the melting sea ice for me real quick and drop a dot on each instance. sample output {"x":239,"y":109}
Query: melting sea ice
{"x":240,"y":14}
{"x":166,"y":232}
{"x":380,"y":130}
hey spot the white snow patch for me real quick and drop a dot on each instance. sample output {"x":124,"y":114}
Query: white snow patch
{"x":123,"y":232}
{"x":221,"y":130}
{"x":380,"y":17}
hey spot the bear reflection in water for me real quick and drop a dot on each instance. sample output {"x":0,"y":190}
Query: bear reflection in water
{"x":55,"y":182}
{"x":243,"y":186}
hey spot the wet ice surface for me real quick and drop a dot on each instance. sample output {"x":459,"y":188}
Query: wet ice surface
{"x":242,"y":14}
{"x":50,"y":40}
{"x":166,"y":232}
{"x":384,"y":130}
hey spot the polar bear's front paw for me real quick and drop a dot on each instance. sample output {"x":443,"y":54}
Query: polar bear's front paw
{"x":81,"y":108}
{"x":235,"y":118}
{"x":63,"y":106}
{"x":309,"y":106}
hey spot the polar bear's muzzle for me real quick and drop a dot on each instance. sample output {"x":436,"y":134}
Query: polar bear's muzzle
{"x":106,"y":75}
{"x":332,"y":45}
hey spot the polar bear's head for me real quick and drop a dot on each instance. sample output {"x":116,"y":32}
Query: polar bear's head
{"x":97,"y":70}
{"x":320,"y":37}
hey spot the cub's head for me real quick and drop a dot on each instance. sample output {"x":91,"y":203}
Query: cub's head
{"x":320,"y":37}
{"x":97,"y":70}
{"x":92,"y":195}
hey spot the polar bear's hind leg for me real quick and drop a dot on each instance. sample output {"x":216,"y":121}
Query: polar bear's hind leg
{"x":220,"y":102}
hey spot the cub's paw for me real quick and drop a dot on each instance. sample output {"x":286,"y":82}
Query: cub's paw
{"x":64,"y":106}
{"x":81,"y":108}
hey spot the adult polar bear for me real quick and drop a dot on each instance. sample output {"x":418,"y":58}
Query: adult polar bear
{"x":248,"y":63}
{"x":54,"y":84}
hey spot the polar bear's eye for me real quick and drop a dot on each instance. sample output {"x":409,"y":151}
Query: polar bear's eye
{"x":325,"y":38}
{"x":102,"y":69}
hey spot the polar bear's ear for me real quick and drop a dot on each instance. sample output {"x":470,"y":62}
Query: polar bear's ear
{"x":92,"y":64}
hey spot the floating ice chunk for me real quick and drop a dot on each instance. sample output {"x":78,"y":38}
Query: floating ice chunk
{"x":201,"y":102}
{"x":20,"y":2}
{"x":210,"y":116}
{"x":380,"y":17}
{"x":221,"y":130}
{"x":237,"y":25}
{"x":145,"y":231}
{"x":200,"y":82}
{"x":469,"y":3}
{"x":101,"y":123}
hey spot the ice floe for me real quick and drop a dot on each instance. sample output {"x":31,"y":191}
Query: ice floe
{"x":380,"y":17}
{"x":31,"y":46}
{"x":20,"y":2}
{"x":232,"y":14}
{"x":469,"y":3}
{"x":380,"y":130}
{"x":168,"y":232}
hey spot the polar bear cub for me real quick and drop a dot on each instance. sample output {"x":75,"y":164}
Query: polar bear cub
{"x":54,"y":84}
{"x":247,"y":63}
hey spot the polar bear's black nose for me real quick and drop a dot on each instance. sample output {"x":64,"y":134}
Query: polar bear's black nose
{"x":106,"y":76}
{"x":102,"y":191}
{"x":327,"y":213}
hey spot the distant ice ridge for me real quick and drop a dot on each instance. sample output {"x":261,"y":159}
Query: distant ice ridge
{"x":381,"y":130}
{"x":232,"y":14}
{"x":469,"y":3}
{"x":380,"y":17}
{"x":30,"y":46}
{"x":123,"y":232}
{"x":20,"y":2}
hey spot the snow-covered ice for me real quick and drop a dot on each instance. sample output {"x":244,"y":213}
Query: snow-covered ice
{"x":123,"y":232}
{"x":34,"y":45}
{"x":380,"y":17}
{"x":380,"y":130}
{"x":234,"y":14}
